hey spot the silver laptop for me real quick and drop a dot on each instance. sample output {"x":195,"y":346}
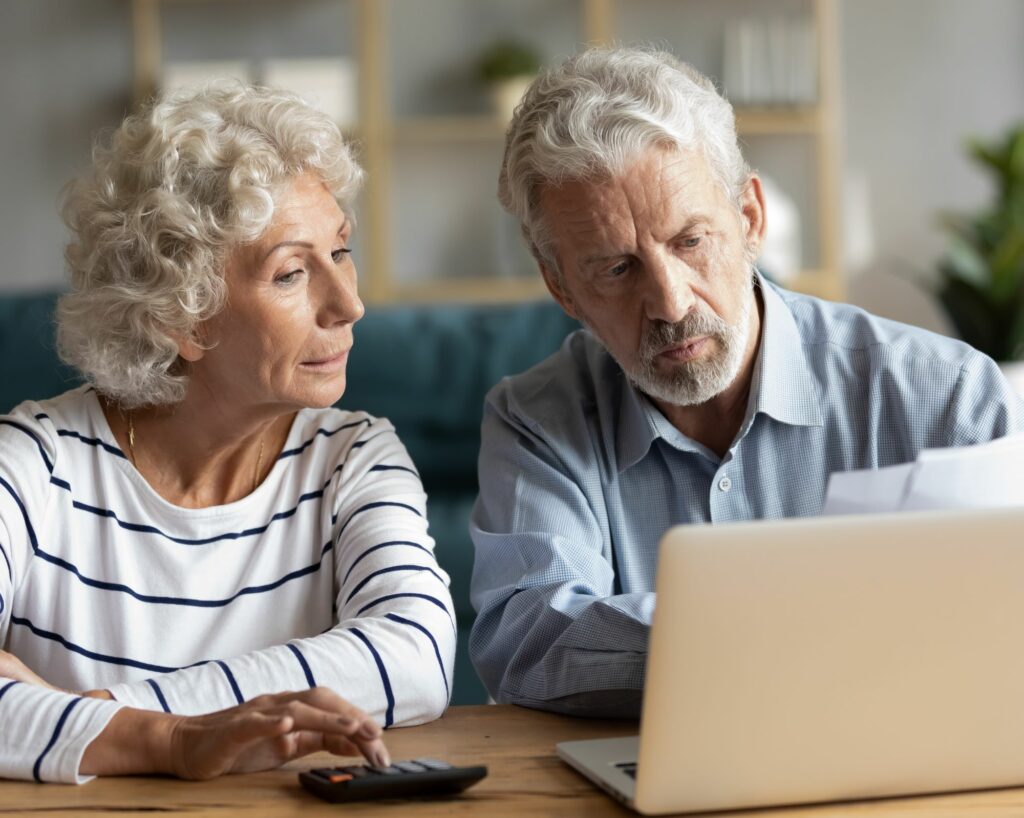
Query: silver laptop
{"x":827,"y":659}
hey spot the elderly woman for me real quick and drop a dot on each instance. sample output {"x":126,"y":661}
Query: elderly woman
{"x":212,"y":569}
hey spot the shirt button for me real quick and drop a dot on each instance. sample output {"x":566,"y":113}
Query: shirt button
{"x":724,"y":484}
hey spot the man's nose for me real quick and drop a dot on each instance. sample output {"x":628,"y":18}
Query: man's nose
{"x":669,"y":296}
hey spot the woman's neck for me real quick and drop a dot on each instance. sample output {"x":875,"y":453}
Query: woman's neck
{"x":197,"y":456}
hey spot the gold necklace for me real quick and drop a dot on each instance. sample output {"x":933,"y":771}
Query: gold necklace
{"x":131,"y":451}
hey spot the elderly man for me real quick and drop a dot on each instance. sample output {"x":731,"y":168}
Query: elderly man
{"x":698,"y":392}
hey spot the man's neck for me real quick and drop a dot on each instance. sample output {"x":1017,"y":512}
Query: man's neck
{"x":716,"y":423}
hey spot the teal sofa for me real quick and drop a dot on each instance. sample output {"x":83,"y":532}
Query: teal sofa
{"x":426,"y":368}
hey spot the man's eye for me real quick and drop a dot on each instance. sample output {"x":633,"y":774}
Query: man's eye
{"x":619,"y":269}
{"x":693,"y":241}
{"x":340,"y":254}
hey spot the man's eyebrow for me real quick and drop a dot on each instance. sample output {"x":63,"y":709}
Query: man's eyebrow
{"x":305,"y":244}
{"x":690,"y":223}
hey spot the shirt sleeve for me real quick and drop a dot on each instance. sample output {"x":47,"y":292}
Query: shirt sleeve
{"x":984,"y":405}
{"x":44,"y":732}
{"x":392,"y":648}
{"x":551,"y":631}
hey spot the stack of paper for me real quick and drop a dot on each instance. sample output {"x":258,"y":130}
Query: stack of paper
{"x":990,"y":475}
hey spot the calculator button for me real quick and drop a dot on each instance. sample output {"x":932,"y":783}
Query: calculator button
{"x":336,"y":777}
{"x":385,"y":770}
{"x":359,"y":771}
{"x":410,"y":767}
{"x":433,"y":764}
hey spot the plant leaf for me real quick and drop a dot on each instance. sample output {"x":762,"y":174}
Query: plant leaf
{"x":970,"y":310}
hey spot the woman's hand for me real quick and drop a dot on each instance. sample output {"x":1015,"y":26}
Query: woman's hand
{"x":259,"y":735}
{"x":11,"y":667}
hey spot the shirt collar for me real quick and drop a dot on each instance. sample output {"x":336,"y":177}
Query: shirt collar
{"x":782,"y":387}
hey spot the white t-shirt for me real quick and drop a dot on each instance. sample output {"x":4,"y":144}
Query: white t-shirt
{"x":324,"y":575}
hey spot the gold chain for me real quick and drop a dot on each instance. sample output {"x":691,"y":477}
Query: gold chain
{"x":131,"y":452}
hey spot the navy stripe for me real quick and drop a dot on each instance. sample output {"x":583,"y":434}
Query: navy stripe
{"x":325,"y":433}
{"x":360,"y":443}
{"x":231,"y":535}
{"x":303,"y":663}
{"x":53,"y":739}
{"x":369,"y":507}
{"x":64,"y":484}
{"x":10,"y":571}
{"x":173,"y":600}
{"x":382,"y":545}
{"x":92,"y":441}
{"x":388,"y":570}
{"x":42,"y":416}
{"x":6,"y":687}
{"x":31,"y":434}
{"x":2,"y":604}
{"x":99,"y":657}
{"x":231,"y":681}
{"x":433,"y":641}
{"x":389,"y":597}
{"x":381,"y":467}
{"x":24,"y":513}
{"x":389,"y":714}
{"x":159,"y":695}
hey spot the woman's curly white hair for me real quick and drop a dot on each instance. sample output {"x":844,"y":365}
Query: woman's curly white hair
{"x":169,"y":195}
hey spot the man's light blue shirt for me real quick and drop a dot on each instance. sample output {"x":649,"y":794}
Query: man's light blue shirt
{"x":580,"y":475}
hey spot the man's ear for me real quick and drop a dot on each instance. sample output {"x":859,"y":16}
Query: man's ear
{"x":752,"y":212}
{"x":554,"y":284}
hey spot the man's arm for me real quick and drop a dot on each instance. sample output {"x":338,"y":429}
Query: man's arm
{"x":984,"y":405}
{"x":551,"y":631}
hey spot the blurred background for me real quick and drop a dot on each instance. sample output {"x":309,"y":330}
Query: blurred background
{"x":880,"y":96}
{"x":858,"y":111}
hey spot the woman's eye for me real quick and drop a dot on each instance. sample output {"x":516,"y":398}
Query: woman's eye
{"x":288,"y":278}
{"x":340,"y":254}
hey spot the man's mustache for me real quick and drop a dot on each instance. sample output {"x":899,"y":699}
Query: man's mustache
{"x":661,"y":335}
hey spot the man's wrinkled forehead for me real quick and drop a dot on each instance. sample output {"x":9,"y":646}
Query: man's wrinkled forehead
{"x":672,"y":179}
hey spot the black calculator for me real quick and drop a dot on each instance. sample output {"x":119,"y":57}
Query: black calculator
{"x":403,"y":779}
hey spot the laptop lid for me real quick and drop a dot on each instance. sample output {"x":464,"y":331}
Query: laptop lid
{"x":834,"y":658}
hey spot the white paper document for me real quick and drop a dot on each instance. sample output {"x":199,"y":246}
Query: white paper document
{"x":989,"y":475}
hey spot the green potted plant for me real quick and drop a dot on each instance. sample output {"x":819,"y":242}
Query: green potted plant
{"x":507,"y":67}
{"x":981,"y":277}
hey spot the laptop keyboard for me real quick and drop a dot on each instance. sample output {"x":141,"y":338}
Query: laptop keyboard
{"x":628,"y":767}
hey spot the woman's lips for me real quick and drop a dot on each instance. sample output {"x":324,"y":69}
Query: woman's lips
{"x":328,"y":364}
{"x":687,"y":351}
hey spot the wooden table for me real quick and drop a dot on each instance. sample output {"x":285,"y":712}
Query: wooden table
{"x":526,"y":778}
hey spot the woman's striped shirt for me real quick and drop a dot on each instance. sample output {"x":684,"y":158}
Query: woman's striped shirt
{"x":324,"y":575}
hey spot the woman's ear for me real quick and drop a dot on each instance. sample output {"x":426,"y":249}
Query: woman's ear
{"x":190,"y":347}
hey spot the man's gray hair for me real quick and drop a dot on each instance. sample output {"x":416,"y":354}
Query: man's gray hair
{"x":595,"y":113}
{"x":170,"y":194}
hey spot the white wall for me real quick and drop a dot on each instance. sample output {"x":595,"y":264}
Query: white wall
{"x":919,"y":77}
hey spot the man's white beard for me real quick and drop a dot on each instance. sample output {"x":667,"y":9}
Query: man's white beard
{"x":691,"y":383}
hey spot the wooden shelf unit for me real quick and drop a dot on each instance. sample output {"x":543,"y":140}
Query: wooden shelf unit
{"x":380,"y":134}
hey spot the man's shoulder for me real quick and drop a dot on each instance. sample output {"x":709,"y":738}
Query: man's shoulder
{"x":573,"y":384}
{"x":837,"y":330}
